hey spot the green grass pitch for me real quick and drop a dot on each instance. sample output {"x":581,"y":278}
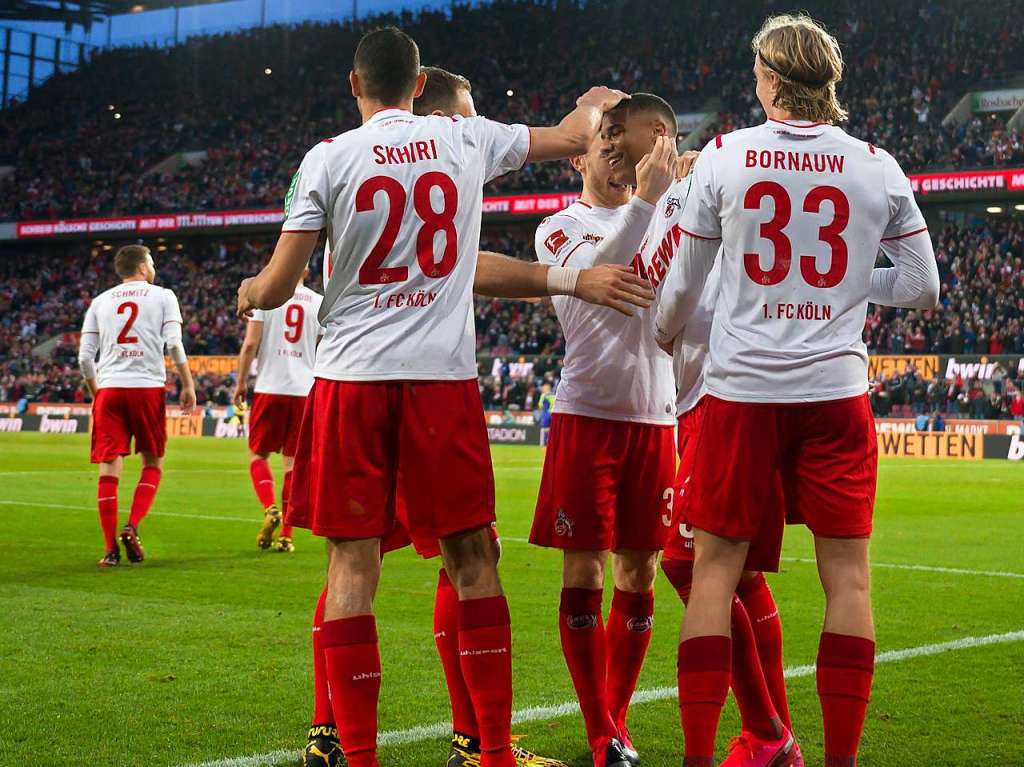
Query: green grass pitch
{"x":202,"y":653}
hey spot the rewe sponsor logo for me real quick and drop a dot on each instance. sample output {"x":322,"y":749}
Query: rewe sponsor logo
{"x":640,"y":624}
{"x":581,"y":622}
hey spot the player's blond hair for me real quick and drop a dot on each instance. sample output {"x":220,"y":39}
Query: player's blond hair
{"x":808,"y":62}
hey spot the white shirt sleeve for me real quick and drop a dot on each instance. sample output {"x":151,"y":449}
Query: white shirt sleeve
{"x":905,"y":217}
{"x":700,"y":214}
{"x":683,"y":285}
{"x":502,"y":148}
{"x":307,"y":202}
{"x":88,"y":343}
{"x":171,"y":329}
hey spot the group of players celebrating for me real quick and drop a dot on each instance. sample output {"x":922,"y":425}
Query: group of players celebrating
{"x":712,"y":313}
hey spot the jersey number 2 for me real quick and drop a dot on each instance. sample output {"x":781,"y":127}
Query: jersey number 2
{"x":132,"y":308}
{"x":781,"y":245}
{"x":293,"y":317}
{"x":372,"y":272}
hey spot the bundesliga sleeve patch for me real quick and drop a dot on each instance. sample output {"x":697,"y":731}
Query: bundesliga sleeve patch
{"x":290,"y":195}
{"x":556,"y":241}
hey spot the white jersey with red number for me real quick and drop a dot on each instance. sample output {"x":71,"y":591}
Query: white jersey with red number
{"x":133,"y":321}
{"x":690,"y":348}
{"x":287,"y":353}
{"x":401,"y":198}
{"x":801,"y":210}
{"x":613,"y":368}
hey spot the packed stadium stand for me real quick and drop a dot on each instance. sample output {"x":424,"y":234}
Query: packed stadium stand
{"x":105,"y":139}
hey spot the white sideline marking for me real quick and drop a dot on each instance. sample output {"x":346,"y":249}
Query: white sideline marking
{"x":540,"y":713}
{"x":509,"y":539}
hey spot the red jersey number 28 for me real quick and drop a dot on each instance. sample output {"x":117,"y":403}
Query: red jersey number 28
{"x":782,"y":248}
{"x":372,"y":271}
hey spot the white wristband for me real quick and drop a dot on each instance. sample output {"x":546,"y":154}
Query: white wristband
{"x":562,"y":280}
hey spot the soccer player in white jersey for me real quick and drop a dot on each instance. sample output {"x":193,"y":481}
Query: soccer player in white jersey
{"x":610,"y":461}
{"x":283,"y":343}
{"x":395,"y":408}
{"x":130,"y":325}
{"x":798,"y":211}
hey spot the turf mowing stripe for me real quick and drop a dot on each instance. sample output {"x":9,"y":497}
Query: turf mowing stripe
{"x":541,"y":713}
{"x":209,"y":517}
{"x":921,"y":568}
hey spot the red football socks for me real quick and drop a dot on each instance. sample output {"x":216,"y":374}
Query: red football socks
{"x":322,"y":713}
{"x":262,"y":481}
{"x":106,"y":501}
{"x":753,"y":698}
{"x":485,"y":654}
{"x":286,"y":491}
{"x":703,"y":687}
{"x":767,"y":625}
{"x":446,"y":637}
{"x":581,"y":628}
{"x":145,"y":492}
{"x":846,"y":665}
{"x":627,"y":635}
{"x":353,"y":672}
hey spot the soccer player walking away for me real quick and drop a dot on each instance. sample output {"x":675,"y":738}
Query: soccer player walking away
{"x":798,"y":211}
{"x":130,"y":325}
{"x":283,"y":343}
{"x":610,"y":460}
{"x":757,"y":672}
{"x":395,"y":405}
{"x":446,"y":94}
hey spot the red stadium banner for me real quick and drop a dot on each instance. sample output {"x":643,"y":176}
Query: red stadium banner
{"x":968,"y":181}
{"x":541,"y":204}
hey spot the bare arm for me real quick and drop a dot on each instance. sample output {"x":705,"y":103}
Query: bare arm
{"x":188,"y":387}
{"x":250,"y":346}
{"x":273,"y":286}
{"x":572,"y":136}
{"x":612,"y":286}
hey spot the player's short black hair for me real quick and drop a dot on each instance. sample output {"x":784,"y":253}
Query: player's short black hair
{"x":440,"y":92}
{"x":129,"y":258}
{"x":648,"y":102}
{"x":388,"y":62}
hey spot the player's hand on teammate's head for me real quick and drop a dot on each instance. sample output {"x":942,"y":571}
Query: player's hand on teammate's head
{"x":602,"y":98}
{"x":685,"y":161}
{"x":614,"y":286}
{"x":657,"y":170}
{"x":245,"y":306}
{"x":188,"y":400}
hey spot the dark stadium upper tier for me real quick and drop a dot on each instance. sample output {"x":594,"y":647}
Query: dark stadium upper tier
{"x":106,"y":138}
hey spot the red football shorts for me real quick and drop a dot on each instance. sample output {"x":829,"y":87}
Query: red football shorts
{"x":757,"y":465}
{"x":119,"y":414}
{"x":363,"y":445}
{"x":428,"y":548}
{"x":274,"y":423}
{"x":607,"y":485}
{"x":764,"y":549}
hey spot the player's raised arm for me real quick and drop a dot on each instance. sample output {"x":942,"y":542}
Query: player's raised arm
{"x":913,"y":280}
{"x":616,"y":287}
{"x":248,"y":352}
{"x":176,"y":350}
{"x":572,"y":136}
{"x":88,"y":343}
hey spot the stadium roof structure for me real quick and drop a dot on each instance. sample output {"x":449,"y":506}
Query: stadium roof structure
{"x":83,"y":12}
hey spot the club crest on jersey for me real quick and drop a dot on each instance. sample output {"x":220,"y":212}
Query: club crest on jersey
{"x":290,"y":195}
{"x":671,"y":206}
{"x":640,"y":624}
{"x":556,"y":241}
{"x":563,"y":525}
{"x":581,"y":622}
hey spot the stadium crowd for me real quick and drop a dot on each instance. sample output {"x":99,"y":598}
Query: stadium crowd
{"x":222,"y":122}
{"x":43,"y":299}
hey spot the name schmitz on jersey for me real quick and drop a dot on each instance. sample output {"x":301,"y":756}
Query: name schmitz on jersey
{"x":133,"y":322}
{"x":287,"y":352}
{"x":401,"y":198}
{"x":613,"y":368}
